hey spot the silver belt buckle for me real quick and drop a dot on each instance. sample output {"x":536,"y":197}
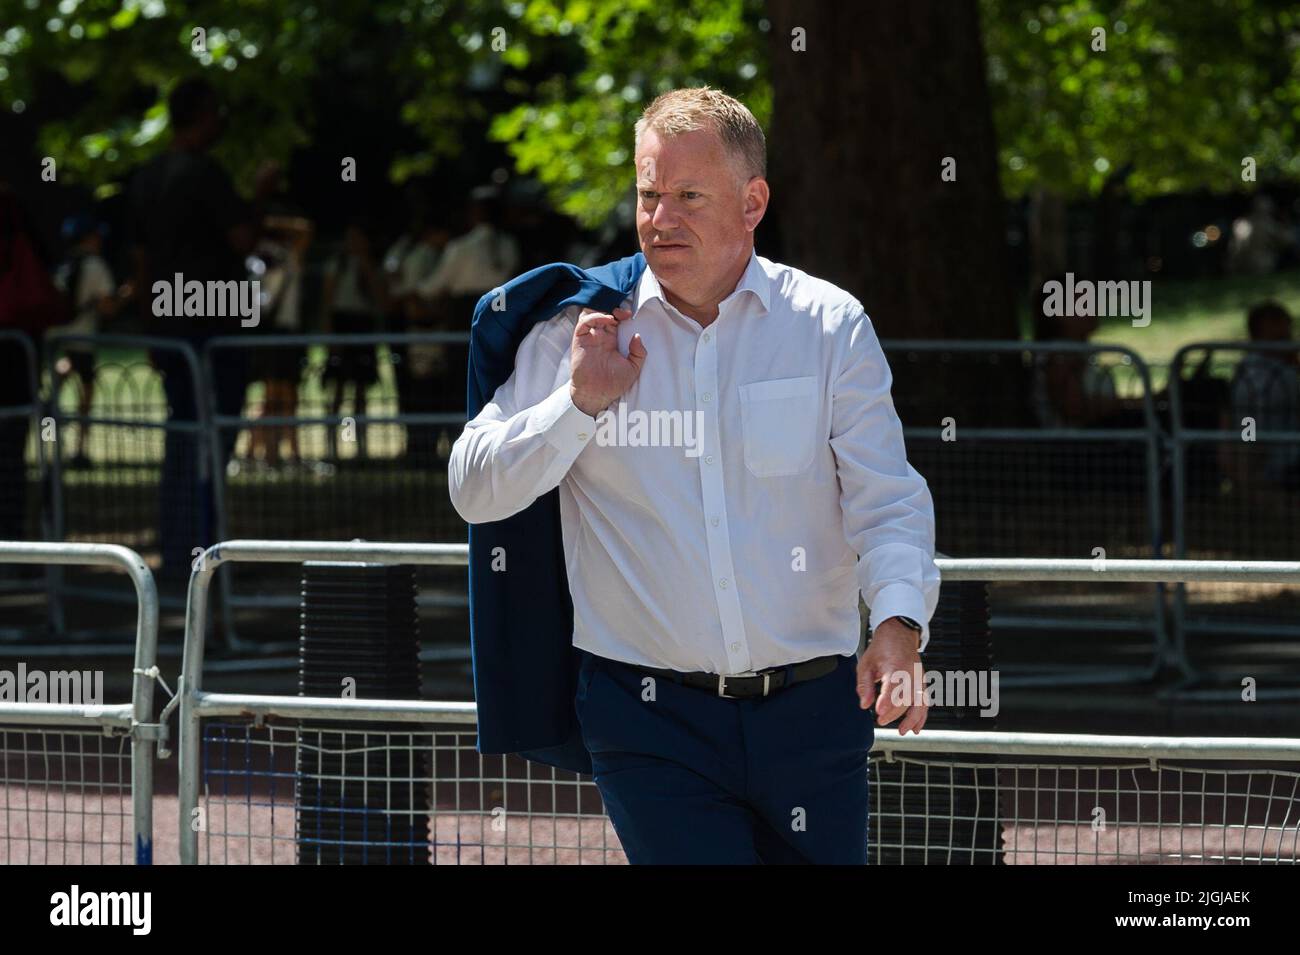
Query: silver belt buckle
{"x":722,"y":683}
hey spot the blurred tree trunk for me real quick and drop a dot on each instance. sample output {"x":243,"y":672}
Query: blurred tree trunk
{"x":862,"y":122}
{"x":1048,"y":243}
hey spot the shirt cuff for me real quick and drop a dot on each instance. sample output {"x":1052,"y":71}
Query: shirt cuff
{"x":901,"y":600}
{"x":567,"y":427}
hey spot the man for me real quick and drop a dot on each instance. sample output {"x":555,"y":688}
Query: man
{"x":409,"y":262}
{"x":86,"y":279}
{"x":1266,"y":388}
{"x":483,"y":257}
{"x":187,"y":218}
{"x":29,"y":303}
{"x":354,"y":297}
{"x":470,"y":265}
{"x":1258,"y":240}
{"x":715,"y":584}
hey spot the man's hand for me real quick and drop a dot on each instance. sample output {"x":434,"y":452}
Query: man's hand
{"x":892,"y":658}
{"x":601,"y":374}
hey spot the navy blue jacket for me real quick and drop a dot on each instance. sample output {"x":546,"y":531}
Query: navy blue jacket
{"x":521,"y":618}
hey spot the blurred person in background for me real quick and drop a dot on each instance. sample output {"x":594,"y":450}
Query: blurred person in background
{"x":1259,"y":240}
{"x":410,"y":262}
{"x":1266,"y":389}
{"x":187,"y":219}
{"x":413,"y":258}
{"x":482,"y":259}
{"x":282,"y":252}
{"x":30,"y":303}
{"x":87,"y":281}
{"x":355,"y":297}
{"x":1070,"y":390}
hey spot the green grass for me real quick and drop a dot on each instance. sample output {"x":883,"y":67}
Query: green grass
{"x":1185,"y":311}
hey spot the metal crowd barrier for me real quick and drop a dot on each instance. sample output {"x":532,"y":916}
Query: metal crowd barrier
{"x":1148,"y":789}
{"x":21,"y":514}
{"x":150,"y":484}
{"x":1232,"y":495}
{"x":999,"y":487}
{"x":1009,"y":480}
{"x":372,"y":476}
{"x":73,"y":756}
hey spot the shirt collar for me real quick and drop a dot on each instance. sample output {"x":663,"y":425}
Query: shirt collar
{"x":754,"y":279}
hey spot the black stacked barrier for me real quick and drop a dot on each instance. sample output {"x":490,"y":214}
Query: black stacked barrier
{"x":361,"y":797}
{"x":956,"y":802}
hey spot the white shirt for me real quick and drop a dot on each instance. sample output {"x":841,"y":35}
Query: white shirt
{"x":94,"y":281}
{"x":745,"y":555}
{"x":351,"y":294}
{"x":1267,"y":389}
{"x":473,"y":263}
{"x":282,"y":287}
{"x":408,"y":263}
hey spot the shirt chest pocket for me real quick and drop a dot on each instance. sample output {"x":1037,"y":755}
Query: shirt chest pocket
{"x":779,"y":420}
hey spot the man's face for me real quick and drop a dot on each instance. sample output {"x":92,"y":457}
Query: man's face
{"x":694,"y":213}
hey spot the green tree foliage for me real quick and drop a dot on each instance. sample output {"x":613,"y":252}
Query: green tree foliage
{"x":1182,"y":92}
{"x":121,"y":59}
{"x":561,"y":83}
{"x":575,"y":133}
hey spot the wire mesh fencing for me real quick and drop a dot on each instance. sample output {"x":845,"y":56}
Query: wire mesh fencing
{"x":263,"y":802}
{"x":1098,"y":812}
{"x":1030,"y":448}
{"x":361,"y":790}
{"x":289,"y":794}
{"x":109,"y":471}
{"x":65,"y":797}
{"x":1236,"y":465}
{"x":1036,"y":450}
{"x":76,"y":773}
{"x":127,"y":462}
{"x":342,"y":437}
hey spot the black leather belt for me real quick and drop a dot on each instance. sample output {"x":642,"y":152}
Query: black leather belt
{"x":744,"y":686}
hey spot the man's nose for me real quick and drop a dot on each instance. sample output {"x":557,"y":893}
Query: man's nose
{"x":665,"y":215}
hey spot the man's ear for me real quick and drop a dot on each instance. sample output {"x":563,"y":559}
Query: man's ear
{"x":757,"y":195}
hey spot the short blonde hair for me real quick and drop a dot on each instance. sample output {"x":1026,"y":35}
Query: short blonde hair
{"x":701,"y":107}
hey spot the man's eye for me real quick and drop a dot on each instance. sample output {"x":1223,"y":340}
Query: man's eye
{"x":649,"y":194}
{"x":690,"y":195}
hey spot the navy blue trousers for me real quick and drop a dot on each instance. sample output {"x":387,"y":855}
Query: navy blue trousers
{"x":689,"y":777}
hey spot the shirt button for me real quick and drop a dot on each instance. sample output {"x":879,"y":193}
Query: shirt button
{"x":706,"y":396}
{"x":723,"y":583}
{"x":735,"y":647}
{"x":715,"y":522}
{"x":708,"y":459}
{"x":706,"y":336}
{"x":582,"y":436}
